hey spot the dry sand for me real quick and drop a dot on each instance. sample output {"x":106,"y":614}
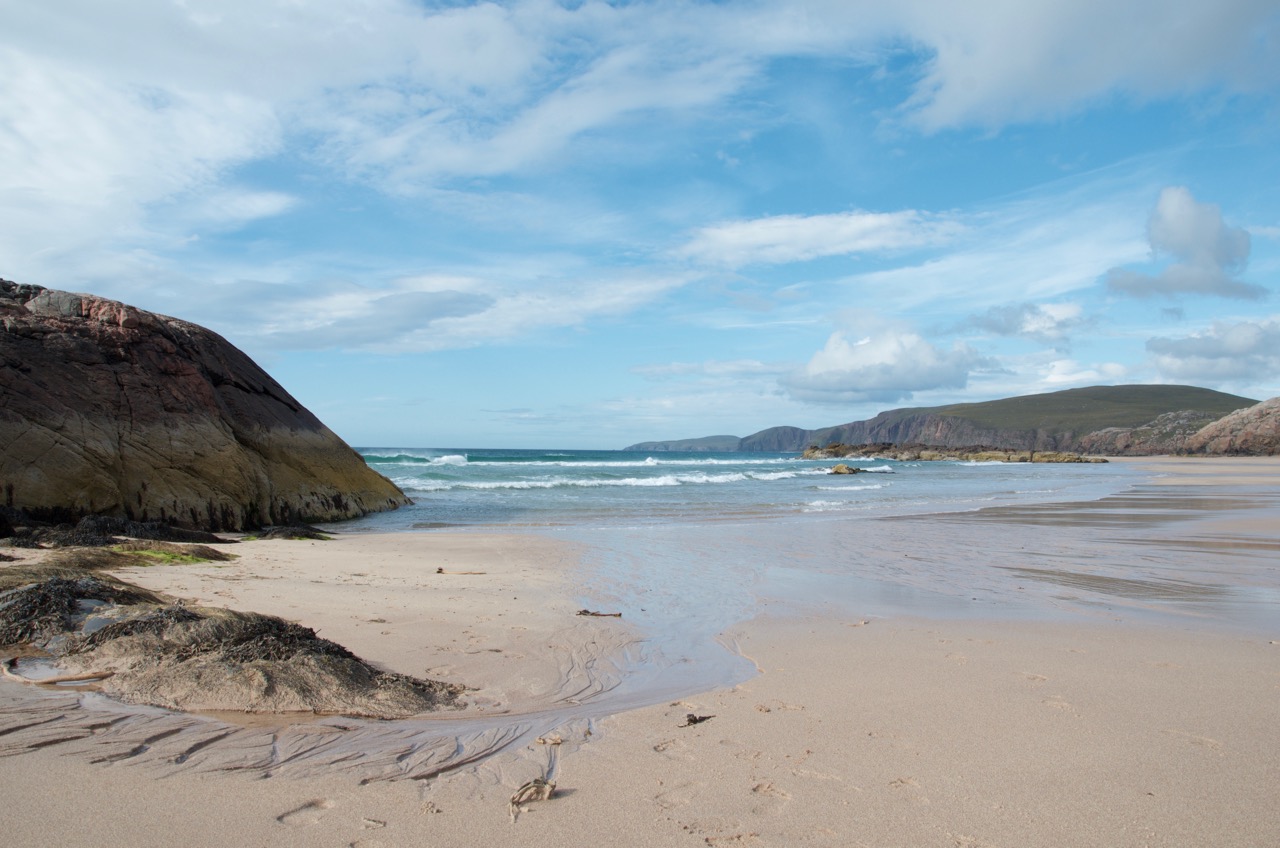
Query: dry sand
{"x":880,"y":732}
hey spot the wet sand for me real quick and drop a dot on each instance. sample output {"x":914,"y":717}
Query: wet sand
{"x":1121,"y":713}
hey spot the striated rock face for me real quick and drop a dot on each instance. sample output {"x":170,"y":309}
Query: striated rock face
{"x":1251,"y":432}
{"x":110,"y":410}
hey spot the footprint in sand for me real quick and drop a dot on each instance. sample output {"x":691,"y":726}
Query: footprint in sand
{"x":308,"y":814}
{"x":1034,"y":678}
{"x":1198,"y":741}
{"x":673,"y":749}
{"x":767,"y":788}
{"x":1059,"y":704}
{"x":677,"y":796}
{"x":771,"y":798}
{"x":718,"y":831}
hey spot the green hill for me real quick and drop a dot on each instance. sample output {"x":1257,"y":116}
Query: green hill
{"x":1086,"y":410}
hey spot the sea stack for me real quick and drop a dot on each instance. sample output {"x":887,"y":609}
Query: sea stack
{"x":110,"y":410}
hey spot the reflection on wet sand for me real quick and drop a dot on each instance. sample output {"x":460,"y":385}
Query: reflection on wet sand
{"x":1154,"y":590}
{"x":1205,"y":547}
{"x":1145,"y":506}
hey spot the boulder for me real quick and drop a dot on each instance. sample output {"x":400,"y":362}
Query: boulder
{"x":110,"y":410}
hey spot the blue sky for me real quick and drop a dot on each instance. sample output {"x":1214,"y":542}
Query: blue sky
{"x":540,"y":224}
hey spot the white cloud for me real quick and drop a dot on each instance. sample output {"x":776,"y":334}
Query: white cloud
{"x":796,"y":238}
{"x":999,"y":62}
{"x":1210,"y":253}
{"x":1045,"y":322}
{"x":1068,"y":372}
{"x":1245,"y":351}
{"x":886,"y":367}
{"x":83,"y":159}
{"x":120,"y":123}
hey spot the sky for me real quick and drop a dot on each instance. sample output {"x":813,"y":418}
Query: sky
{"x":583,"y":224}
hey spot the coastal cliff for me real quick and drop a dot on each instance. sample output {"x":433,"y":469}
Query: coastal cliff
{"x":110,"y":410}
{"x":1110,"y":420}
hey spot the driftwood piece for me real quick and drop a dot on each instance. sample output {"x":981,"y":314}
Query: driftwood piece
{"x":10,"y":670}
{"x":599,"y":614}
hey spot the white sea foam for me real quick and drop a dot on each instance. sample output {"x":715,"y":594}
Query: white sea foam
{"x":832,"y":506}
{"x":866,"y":488}
{"x":564,"y":482}
{"x":649,"y":462}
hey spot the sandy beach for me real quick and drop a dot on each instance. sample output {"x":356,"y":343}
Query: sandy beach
{"x":1126,"y":715}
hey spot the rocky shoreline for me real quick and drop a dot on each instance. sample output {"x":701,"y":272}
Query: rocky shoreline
{"x":933,"y":453}
{"x":65,"y":616}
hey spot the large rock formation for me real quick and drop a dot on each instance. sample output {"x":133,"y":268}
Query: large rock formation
{"x":110,"y":410}
{"x":1252,"y":432}
{"x":1167,"y":434}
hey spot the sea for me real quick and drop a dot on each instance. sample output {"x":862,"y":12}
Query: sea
{"x":686,"y":545}
{"x":461,"y":488}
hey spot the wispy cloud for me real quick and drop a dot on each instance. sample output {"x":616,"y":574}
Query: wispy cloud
{"x":797,"y":238}
{"x":427,"y":313}
{"x":1046,"y":247}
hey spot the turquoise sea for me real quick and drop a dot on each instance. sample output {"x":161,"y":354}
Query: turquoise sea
{"x":571,"y":488}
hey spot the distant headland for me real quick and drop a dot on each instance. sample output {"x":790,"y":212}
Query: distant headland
{"x":1129,"y":420}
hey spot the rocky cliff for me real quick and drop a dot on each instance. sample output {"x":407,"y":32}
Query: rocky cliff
{"x":923,"y":428}
{"x":1248,"y":432}
{"x":110,"y":410}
